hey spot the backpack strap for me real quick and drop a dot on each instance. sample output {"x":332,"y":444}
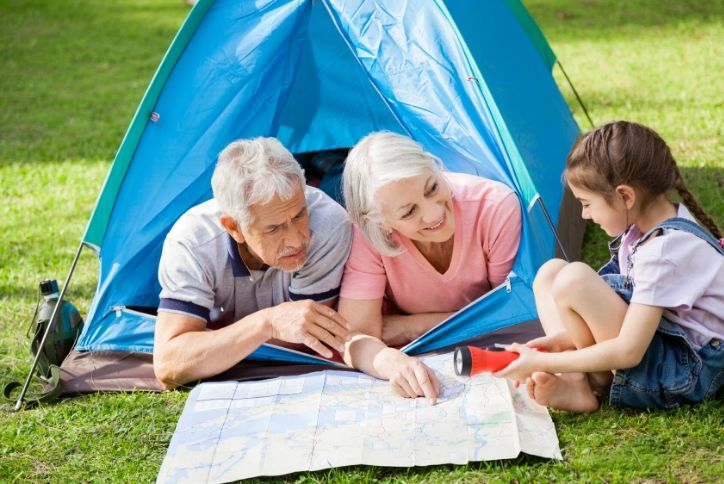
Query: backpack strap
{"x":44,"y":363}
{"x":680,"y":223}
{"x":51,"y":392}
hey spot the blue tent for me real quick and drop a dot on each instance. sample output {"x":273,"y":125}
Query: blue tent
{"x":470,"y":80}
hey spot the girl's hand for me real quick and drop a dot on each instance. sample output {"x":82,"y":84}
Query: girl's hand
{"x":554,"y":343}
{"x":527,"y":363}
{"x":412,"y":378}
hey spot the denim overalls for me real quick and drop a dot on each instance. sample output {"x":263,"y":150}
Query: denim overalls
{"x":672,"y":372}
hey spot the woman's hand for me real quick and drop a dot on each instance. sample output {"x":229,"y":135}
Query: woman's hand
{"x":520,"y":369}
{"x":554,"y":343}
{"x":411,"y":378}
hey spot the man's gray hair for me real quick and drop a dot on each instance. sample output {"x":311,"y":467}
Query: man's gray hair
{"x":376,"y":160}
{"x":252,"y":171}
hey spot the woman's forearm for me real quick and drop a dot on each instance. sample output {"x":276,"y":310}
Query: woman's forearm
{"x":398,"y":330}
{"x":370,"y":355}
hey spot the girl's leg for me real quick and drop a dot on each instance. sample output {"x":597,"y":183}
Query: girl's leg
{"x":547,"y":311}
{"x":543,"y":291}
{"x":588,"y":308}
{"x":591,"y":312}
{"x":572,"y":391}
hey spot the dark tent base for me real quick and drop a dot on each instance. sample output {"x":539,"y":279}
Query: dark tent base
{"x":119,"y":371}
{"x":570,"y":233}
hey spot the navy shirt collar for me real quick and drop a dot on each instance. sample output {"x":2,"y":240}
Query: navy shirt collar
{"x":238,"y":268}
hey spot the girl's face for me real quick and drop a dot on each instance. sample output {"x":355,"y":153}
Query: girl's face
{"x":611,"y":217}
{"x":419,"y":208}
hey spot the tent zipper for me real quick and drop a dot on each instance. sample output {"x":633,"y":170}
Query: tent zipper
{"x":123,"y":309}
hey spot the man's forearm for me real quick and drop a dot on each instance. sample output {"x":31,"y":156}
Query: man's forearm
{"x":201,"y":354}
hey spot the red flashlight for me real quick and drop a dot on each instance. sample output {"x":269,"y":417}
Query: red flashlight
{"x":471,"y":360}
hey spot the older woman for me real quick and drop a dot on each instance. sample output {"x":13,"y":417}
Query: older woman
{"x":426,"y":243}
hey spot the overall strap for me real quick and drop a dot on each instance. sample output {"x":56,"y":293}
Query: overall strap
{"x":680,"y":223}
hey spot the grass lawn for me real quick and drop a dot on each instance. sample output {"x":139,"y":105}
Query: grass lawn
{"x":71,"y":76}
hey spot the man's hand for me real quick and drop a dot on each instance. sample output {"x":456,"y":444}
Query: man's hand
{"x":312,"y":324}
{"x":411,"y":378}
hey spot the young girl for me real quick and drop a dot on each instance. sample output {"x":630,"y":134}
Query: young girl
{"x":648,"y":329}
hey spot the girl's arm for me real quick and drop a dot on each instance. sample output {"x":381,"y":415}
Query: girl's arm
{"x":365,"y":351}
{"x":624,"y":351}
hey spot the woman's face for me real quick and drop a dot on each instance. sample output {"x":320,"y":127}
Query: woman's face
{"x":419,"y":208}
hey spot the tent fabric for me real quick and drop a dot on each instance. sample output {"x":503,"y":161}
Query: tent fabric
{"x":531,"y":28}
{"x":469,"y":80}
{"x":108,"y":371}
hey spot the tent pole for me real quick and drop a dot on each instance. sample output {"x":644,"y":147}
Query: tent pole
{"x":58,"y":304}
{"x":580,"y":101}
{"x":553,"y":228}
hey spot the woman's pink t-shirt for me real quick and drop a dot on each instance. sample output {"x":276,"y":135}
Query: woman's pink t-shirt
{"x":487,"y":234}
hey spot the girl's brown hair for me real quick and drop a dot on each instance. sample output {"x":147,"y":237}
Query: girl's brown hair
{"x":626,"y":153}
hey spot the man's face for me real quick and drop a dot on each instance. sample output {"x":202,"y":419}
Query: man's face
{"x":279,"y":233}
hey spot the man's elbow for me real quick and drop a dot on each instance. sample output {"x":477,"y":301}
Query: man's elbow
{"x":165,"y":373}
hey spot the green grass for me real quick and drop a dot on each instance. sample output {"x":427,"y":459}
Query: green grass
{"x":71,"y":76}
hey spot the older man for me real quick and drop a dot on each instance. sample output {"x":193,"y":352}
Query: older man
{"x":263,"y":259}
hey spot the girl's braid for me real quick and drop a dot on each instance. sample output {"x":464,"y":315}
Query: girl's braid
{"x":693,"y":205}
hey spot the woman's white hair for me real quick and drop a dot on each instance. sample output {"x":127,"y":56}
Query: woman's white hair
{"x":253,"y":171}
{"x":376,"y":160}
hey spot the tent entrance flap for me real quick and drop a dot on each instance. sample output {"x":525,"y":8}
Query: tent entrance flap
{"x":331,"y":101}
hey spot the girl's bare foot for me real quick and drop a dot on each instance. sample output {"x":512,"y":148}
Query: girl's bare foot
{"x":567,"y":391}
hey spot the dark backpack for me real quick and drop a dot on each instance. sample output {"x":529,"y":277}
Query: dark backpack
{"x":64,"y":329}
